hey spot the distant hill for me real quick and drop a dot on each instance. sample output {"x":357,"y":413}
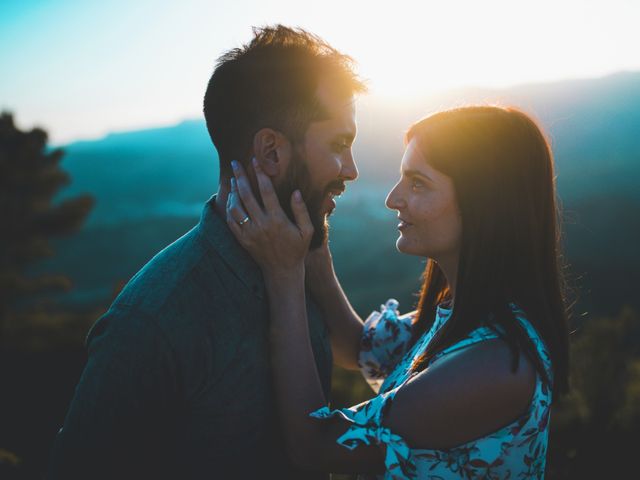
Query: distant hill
{"x":150,"y":186}
{"x":594,"y":126}
{"x":154,"y":172}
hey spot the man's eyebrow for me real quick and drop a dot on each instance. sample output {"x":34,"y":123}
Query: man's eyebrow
{"x":347,"y":136}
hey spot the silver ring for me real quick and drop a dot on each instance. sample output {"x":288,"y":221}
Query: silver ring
{"x":244,"y":220}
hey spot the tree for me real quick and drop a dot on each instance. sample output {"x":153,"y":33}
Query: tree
{"x":30,"y":176}
{"x":595,"y":429}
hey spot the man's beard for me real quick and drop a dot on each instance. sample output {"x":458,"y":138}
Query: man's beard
{"x":298,"y":177}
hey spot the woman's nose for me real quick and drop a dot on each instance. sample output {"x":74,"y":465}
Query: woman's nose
{"x":394,"y":200}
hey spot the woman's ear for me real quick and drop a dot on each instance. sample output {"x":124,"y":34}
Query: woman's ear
{"x":272,"y":151}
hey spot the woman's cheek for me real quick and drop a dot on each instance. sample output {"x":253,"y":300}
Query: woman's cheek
{"x":422,"y":211}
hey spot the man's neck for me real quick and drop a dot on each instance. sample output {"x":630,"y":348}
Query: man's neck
{"x":221,"y":198}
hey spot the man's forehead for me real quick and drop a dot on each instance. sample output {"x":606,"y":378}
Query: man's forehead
{"x":338,"y":125}
{"x":341,"y":117}
{"x":334,"y":97}
{"x":340,"y":109}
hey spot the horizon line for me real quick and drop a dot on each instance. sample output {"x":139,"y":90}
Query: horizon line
{"x":380,"y":97}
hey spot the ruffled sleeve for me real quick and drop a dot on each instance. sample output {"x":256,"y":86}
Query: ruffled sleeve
{"x":385,"y":340}
{"x":366,"y":429}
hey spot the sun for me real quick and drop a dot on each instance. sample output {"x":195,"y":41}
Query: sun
{"x":413,"y":49}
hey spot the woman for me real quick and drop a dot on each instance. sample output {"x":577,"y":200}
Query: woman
{"x":464,"y":385}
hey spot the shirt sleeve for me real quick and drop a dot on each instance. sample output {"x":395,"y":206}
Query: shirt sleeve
{"x":385,"y":340}
{"x":366,"y":429}
{"x":119,"y":411}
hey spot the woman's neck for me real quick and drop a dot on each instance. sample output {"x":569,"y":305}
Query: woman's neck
{"x":449,"y":267}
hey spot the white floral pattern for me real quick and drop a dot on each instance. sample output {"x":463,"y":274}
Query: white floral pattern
{"x":516,"y":451}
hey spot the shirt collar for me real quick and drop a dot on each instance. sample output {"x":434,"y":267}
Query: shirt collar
{"x":216,"y":232}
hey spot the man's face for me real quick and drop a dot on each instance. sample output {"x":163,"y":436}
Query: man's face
{"x":321,"y":166}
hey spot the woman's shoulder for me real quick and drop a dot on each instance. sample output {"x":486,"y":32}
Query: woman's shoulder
{"x":428,"y":404}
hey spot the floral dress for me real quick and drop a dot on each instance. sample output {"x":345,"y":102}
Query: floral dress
{"x":516,"y":451}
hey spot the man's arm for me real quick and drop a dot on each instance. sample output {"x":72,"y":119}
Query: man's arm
{"x":118,"y":414}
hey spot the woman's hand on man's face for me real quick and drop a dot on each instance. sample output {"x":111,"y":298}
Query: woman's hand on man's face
{"x":277,"y":245}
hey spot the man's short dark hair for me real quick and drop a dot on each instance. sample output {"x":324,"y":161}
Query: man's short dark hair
{"x":271,"y":82}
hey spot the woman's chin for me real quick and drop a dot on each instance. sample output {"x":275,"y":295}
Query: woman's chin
{"x":403,"y":245}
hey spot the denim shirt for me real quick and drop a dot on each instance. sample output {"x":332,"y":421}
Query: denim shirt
{"x":178,"y":382}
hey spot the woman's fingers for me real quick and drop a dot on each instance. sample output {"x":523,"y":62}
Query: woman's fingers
{"x":301,"y":215}
{"x":267,"y":192}
{"x":235,"y":210}
{"x":233,"y":224}
{"x":268,"y":235}
{"x":243,"y":208}
{"x":244,"y":191}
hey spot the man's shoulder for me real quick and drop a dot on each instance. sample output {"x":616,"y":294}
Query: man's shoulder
{"x":180,"y":290}
{"x":164,"y":277}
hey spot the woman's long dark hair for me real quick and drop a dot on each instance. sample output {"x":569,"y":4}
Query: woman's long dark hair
{"x":502,"y":170}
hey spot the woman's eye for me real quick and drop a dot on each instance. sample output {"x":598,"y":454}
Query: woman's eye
{"x":416,"y":184}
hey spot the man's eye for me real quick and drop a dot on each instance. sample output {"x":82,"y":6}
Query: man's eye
{"x":416,"y":184}
{"x":338,"y":147}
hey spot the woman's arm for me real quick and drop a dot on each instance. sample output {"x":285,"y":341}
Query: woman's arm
{"x":311,"y":443}
{"x":344,"y":324}
{"x":280,"y":247}
{"x":463,"y":396}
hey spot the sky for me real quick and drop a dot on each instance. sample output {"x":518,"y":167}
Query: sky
{"x":83,"y":68}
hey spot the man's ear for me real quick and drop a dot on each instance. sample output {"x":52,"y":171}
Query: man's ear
{"x":272,"y":151}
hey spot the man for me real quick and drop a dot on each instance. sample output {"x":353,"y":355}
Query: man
{"x":177,"y":383}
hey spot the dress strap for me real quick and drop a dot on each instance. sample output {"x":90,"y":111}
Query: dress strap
{"x":478,"y":335}
{"x":535,"y":337}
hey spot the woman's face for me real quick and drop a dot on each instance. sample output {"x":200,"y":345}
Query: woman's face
{"x":430,"y":223}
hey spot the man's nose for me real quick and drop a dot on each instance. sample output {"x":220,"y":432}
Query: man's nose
{"x":349,"y":169}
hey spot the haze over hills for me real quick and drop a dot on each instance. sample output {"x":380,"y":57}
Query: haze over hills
{"x":594,"y":126}
{"x":150,"y":186}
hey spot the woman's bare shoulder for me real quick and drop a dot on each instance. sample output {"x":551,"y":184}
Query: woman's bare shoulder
{"x":463,"y":396}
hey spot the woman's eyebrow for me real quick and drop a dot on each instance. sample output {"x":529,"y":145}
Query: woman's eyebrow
{"x":416,"y":173}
